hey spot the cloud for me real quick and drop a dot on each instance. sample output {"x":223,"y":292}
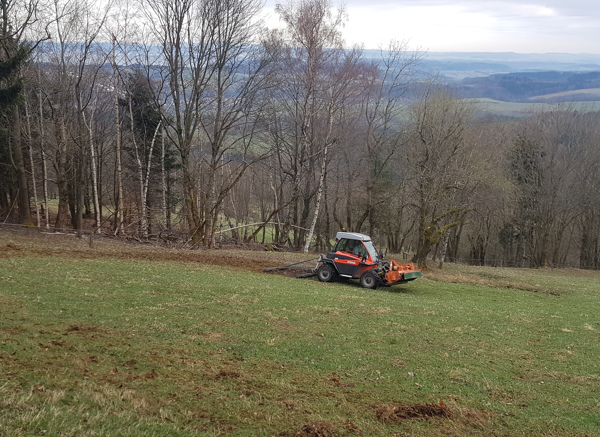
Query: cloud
{"x":475,"y":25}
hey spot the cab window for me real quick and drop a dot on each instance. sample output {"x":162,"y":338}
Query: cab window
{"x":340,"y":245}
{"x":372,"y":251}
{"x":356,"y":247}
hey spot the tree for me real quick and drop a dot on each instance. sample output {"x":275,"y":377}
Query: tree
{"x":492,"y":201}
{"x":438,"y":160}
{"x":11,"y":152}
{"x":231,"y":123}
{"x":144,"y":121}
{"x":214,"y":75}
{"x":316,"y":78}
{"x":74,"y":65}
{"x":548,"y":164}
{"x":17,"y":17}
{"x":376,"y":135}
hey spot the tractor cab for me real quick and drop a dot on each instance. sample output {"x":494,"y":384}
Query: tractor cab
{"x":354,"y":257}
{"x":352,"y":253}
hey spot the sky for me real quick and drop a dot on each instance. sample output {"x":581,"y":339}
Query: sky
{"x":521,"y":26}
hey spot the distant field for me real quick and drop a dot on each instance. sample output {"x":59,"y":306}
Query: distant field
{"x":119,"y":339}
{"x":511,"y":109}
{"x":572,"y":94}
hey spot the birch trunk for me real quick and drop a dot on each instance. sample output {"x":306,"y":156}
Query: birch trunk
{"x":96,"y":200}
{"x":323,"y":174}
{"x":62,"y":217}
{"x":44,"y":161}
{"x":147,"y":180}
{"x":164,"y":182}
{"x":33,"y":179}
{"x":119,"y":212}
{"x":319,"y":195}
{"x":140,"y":171}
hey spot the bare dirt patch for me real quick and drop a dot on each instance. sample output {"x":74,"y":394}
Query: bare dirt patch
{"x":24,"y":243}
{"x":399,"y":412}
{"x":316,"y":429}
{"x":454,"y":421}
{"x":228,"y":374}
{"x":85,"y":331}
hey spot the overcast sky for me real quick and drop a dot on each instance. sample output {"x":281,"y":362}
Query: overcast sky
{"x":527,"y":26}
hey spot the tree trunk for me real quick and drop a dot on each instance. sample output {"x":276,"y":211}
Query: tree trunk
{"x":119,"y":211}
{"x":97,"y":216}
{"x":192,"y":213}
{"x":164,"y":176}
{"x":318,"y":204}
{"x":62,"y":217}
{"x":19,"y":166}
{"x":31,"y":163}
{"x":44,"y":160}
{"x":145,"y":223}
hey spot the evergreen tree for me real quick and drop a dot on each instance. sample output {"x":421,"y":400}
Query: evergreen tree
{"x":13,"y":179}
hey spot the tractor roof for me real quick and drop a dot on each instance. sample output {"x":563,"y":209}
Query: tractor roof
{"x":352,"y":236}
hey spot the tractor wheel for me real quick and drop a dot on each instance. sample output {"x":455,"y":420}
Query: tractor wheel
{"x":369,"y":280}
{"x":325,"y":273}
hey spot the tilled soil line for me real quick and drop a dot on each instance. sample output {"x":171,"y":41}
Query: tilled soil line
{"x":250,"y":258}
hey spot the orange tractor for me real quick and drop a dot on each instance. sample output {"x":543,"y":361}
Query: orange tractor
{"x":354,"y":257}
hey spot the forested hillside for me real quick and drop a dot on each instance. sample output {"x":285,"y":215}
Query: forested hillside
{"x":188,"y":118}
{"x":527,"y":87}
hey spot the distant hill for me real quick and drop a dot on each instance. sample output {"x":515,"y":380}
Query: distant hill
{"x":516,"y":77}
{"x":459,"y":65}
{"x":547,"y":86}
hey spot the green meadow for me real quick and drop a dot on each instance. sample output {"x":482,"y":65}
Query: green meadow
{"x":96,"y":341}
{"x":518,"y":110}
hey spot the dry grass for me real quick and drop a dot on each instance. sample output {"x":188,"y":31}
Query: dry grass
{"x":549,"y":281}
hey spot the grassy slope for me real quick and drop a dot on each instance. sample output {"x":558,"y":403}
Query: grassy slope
{"x":105,"y":346}
{"x":512,"y":109}
{"x":570,"y":94}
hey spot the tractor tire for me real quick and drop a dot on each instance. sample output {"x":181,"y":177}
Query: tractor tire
{"x":369,"y":280}
{"x":326,"y":273}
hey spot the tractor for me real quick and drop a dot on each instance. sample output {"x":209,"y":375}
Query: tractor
{"x":354,"y":257}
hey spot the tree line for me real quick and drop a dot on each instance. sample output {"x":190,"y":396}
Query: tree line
{"x":191,"y":116}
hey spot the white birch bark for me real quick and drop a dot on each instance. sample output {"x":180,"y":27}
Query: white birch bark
{"x":119,"y":212}
{"x":33,"y":178}
{"x":44,"y":163}
{"x":164,"y":180}
{"x":318,"y":204}
{"x":94,"y":170}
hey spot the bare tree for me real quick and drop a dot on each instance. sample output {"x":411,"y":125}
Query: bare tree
{"x":438,"y":159}
{"x":213,"y":74}
{"x":547,"y":163}
{"x":378,"y":133}
{"x":316,"y":76}
{"x":230,"y":123}
{"x":75,"y":61}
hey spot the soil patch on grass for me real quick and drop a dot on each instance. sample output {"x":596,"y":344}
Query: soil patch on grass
{"x":454,"y":421}
{"x":316,"y":429}
{"x":399,"y":412}
{"x":254,"y":258}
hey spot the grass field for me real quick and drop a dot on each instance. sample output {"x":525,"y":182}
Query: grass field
{"x":115,"y":339}
{"x":513,"y":109}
